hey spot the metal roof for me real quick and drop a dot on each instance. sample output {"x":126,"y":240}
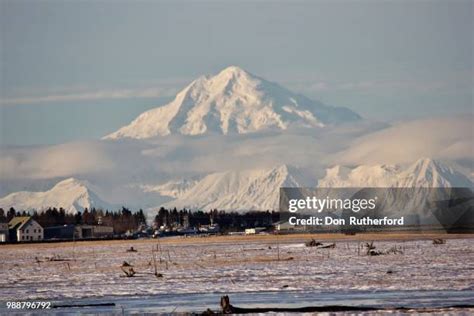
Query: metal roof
{"x":18,"y":222}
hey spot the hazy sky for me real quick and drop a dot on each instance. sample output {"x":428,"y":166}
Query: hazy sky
{"x":79,"y":70}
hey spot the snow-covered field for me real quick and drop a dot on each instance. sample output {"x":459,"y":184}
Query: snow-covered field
{"x":92,"y":269}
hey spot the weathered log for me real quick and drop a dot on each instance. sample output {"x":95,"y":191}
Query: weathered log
{"x":312,"y":243}
{"x":439,"y":241}
{"x":330,"y":246}
{"x":228,"y":308}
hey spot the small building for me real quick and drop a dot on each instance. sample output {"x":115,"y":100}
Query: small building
{"x":24,"y":228}
{"x":210,"y":229}
{"x":285,"y":227}
{"x":93,"y":231}
{"x":59,"y":232}
{"x":253,"y":231}
{"x":4,"y":232}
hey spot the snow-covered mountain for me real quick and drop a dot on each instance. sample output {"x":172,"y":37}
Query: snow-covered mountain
{"x":233,"y":101}
{"x":425,"y":172}
{"x":173,"y":188}
{"x":71,"y":194}
{"x":255,"y":189}
{"x":239,"y":190}
{"x":258,"y":189}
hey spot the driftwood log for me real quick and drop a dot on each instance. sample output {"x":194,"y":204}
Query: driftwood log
{"x":312,"y":243}
{"x":228,"y":308}
{"x":439,"y":241}
{"x":330,"y":246}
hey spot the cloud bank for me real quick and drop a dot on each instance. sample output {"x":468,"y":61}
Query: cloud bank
{"x":117,"y":166}
{"x":439,"y":138}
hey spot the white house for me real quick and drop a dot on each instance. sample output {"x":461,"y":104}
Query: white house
{"x":25,"y":228}
{"x":4,"y":232}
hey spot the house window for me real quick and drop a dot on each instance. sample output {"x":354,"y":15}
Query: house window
{"x":27,"y":231}
{"x":34,"y":230}
{"x":22,"y":237}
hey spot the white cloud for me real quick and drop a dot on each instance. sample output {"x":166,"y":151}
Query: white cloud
{"x":115,"y":165}
{"x":91,"y":95}
{"x":53,"y":161}
{"x":441,"y":138}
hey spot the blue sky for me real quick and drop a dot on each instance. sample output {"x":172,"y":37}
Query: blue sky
{"x":78,"y":70}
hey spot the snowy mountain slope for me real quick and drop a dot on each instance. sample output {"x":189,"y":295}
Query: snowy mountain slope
{"x":423,"y":173}
{"x":255,"y":189}
{"x":233,"y":101}
{"x":361,"y":176}
{"x":420,"y":204}
{"x":258,"y":189}
{"x":432,"y":173}
{"x":71,"y":194}
{"x":173,"y":188}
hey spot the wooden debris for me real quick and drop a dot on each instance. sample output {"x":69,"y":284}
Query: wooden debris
{"x":128,"y":269}
{"x":312,"y":243}
{"x":57,"y":258}
{"x":228,"y":308}
{"x":371,"y":249}
{"x":330,"y":246}
{"x":372,"y":252}
{"x":439,"y":241}
{"x":394,"y":250}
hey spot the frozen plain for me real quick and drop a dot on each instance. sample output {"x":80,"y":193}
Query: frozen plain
{"x":196,"y":271}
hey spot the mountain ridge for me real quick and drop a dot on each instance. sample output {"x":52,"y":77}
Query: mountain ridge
{"x":251,"y":189}
{"x":425,"y":172}
{"x":258,"y":189}
{"x":247,"y":189}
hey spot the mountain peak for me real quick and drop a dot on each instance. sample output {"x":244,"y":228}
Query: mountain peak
{"x":233,"y":71}
{"x":232,"y":102}
{"x":425,"y":161}
{"x":427,"y":172}
{"x":71,"y":182}
{"x":248,"y":189}
{"x":71,"y":194}
{"x":425,"y":166}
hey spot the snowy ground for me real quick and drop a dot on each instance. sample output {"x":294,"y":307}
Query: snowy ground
{"x":191,"y":266}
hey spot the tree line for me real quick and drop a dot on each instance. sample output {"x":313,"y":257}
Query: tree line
{"x":227,"y":221}
{"x":125,"y":220}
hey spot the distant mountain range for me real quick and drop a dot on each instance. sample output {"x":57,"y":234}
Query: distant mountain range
{"x":233,"y":101}
{"x":258,"y":189}
{"x":71,"y":194}
{"x":252,"y":189}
